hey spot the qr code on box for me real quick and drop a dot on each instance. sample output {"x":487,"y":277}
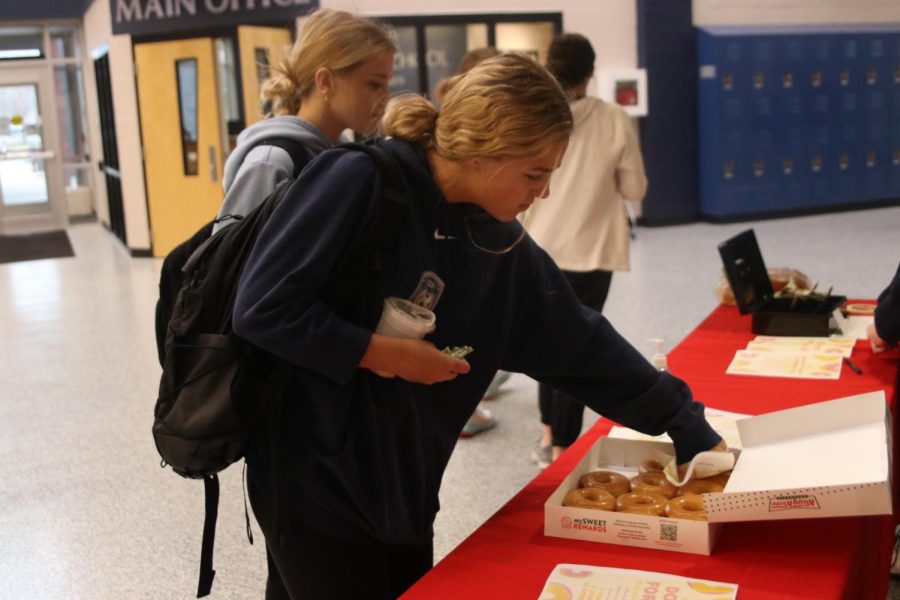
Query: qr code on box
{"x":668,"y":532}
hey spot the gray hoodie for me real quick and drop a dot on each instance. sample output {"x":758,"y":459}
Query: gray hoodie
{"x":251,"y":173}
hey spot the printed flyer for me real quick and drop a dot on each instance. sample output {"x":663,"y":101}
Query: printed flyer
{"x":586,"y":582}
{"x":786,"y":364}
{"x":808,"y":345}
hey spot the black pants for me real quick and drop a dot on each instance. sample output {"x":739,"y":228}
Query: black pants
{"x":305,"y":564}
{"x":561,"y":412}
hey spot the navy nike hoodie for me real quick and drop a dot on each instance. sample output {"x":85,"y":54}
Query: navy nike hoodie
{"x":358,"y":456}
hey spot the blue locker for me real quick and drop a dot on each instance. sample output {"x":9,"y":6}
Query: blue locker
{"x":763,"y":161}
{"x":790,"y":162}
{"x":894,"y":144}
{"x":819,"y":57}
{"x":876,"y":166}
{"x":845,"y":78}
{"x":764,"y":80}
{"x":797,"y":117}
{"x":716,"y":98}
{"x":819,"y":159}
{"x":792,"y":83}
{"x":847,"y":159}
{"x":877,"y":77}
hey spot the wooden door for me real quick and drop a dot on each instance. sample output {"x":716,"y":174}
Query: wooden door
{"x":258,"y":48}
{"x":180,"y":131}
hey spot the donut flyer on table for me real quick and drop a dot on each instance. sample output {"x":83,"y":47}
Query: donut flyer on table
{"x":587,"y":581}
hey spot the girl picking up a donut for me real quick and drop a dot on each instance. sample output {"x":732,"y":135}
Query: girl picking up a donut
{"x":347,"y":468}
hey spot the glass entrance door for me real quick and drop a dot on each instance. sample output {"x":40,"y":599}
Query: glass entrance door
{"x":30,"y":177}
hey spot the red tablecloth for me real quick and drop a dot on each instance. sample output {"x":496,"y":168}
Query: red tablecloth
{"x":510,"y":557}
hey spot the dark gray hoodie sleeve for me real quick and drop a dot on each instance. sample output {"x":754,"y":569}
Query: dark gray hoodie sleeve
{"x":263,"y":168}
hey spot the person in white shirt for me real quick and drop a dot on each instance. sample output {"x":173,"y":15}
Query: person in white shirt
{"x":584,"y":225}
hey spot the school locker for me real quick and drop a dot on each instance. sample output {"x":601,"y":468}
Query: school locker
{"x":816,"y":110}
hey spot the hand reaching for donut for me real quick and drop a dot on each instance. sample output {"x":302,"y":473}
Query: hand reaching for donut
{"x":683,"y":467}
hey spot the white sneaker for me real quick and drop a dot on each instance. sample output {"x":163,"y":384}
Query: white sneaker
{"x":542,"y":455}
{"x":499,"y":379}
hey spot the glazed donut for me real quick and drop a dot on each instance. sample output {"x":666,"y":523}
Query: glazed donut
{"x":696,"y":487}
{"x":596,"y":498}
{"x":614,"y":483}
{"x":653,"y":484}
{"x":686,"y":507}
{"x":650,"y":466}
{"x":642,"y":504}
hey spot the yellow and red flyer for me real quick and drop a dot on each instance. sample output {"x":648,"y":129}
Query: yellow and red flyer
{"x":786,"y":364}
{"x":808,"y":345}
{"x":586,"y":582}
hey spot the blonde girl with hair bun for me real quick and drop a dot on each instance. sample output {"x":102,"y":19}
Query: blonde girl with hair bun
{"x":349,"y":473}
{"x":334,"y":78}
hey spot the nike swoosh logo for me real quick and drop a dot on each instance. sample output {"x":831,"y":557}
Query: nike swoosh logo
{"x":440,"y":236}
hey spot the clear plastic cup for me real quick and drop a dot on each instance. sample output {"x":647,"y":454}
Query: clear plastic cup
{"x":402,"y":319}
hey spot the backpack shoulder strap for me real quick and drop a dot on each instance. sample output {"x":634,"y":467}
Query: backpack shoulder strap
{"x":374,"y":251}
{"x":297,"y":152}
{"x":389,"y":217}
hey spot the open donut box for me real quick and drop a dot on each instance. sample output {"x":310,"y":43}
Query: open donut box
{"x":828,"y":459}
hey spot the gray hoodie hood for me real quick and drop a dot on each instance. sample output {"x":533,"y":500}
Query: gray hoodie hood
{"x":289,"y":127}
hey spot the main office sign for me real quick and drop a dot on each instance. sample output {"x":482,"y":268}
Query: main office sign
{"x":142,"y":17}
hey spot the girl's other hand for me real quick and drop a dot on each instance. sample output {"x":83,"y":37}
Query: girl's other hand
{"x":414,"y":360}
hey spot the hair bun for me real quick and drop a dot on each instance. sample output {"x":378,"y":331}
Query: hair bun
{"x":410,"y":117}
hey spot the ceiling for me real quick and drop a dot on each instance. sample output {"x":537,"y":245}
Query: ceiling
{"x":18,"y":10}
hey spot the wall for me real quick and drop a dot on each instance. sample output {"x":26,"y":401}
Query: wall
{"x":768,"y":12}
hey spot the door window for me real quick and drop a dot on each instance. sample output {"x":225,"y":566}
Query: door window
{"x":23,"y":178}
{"x":21,"y":43}
{"x":187,"y":111}
{"x":73,"y":147}
{"x":406,"y":62}
{"x":429,"y":48}
{"x":532,"y":39}
{"x":229,"y":97}
{"x":445,"y":45}
{"x":64,"y":42}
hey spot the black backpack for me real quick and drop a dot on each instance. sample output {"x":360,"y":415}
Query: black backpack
{"x":171,"y":276}
{"x":215,"y":387}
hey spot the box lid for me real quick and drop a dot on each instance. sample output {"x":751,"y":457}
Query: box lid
{"x":746,"y":271}
{"x":826,"y":459}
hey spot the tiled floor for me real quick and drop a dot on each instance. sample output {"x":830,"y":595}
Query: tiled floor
{"x":85,"y":510}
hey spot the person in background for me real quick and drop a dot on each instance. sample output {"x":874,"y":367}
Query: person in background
{"x":482,"y":419}
{"x":584,"y":225}
{"x":469,"y":60}
{"x":884,"y":332}
{"x":347,"y":473}
{"x":334,"y":78}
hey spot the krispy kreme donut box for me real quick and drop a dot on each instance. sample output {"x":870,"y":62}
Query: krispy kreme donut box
{"x":829,"y":459}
